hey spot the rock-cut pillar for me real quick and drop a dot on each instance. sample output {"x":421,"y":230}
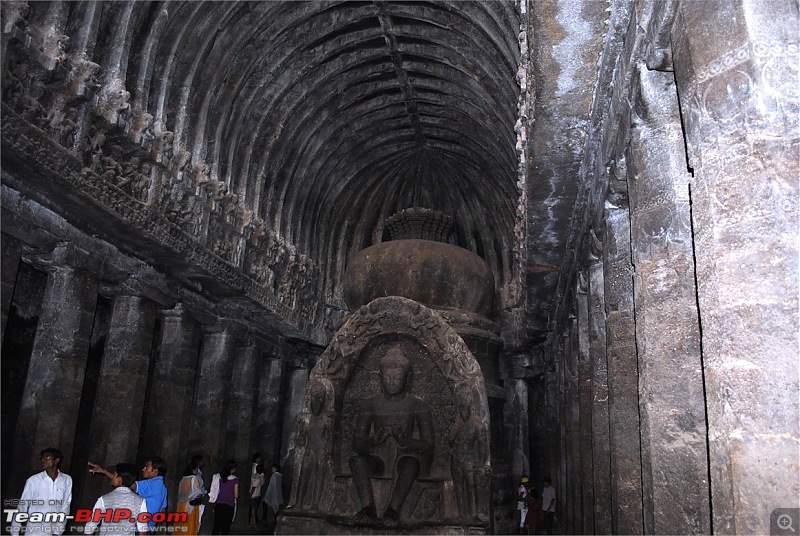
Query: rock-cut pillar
{"x":740,"y":100}
{"x":49,"y":411}
{"x":667,"y":329}
{"x":119,"y":402}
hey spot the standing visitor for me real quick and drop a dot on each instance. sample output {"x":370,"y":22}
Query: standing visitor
{"x":256,"y":483}
{"x":190,"y":498}
{"x":274,"y":495}
{"x":534,"y":508}
{"x":122,"y":498}
{"x":151,"y":487}
{"x":47,"y":492}
{"x":226,"y":497}
{"x":522,"y":502}
{"x":548,"y":505}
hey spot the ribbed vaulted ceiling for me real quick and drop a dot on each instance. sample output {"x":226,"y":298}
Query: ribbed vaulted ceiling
{"x":328,"y":117}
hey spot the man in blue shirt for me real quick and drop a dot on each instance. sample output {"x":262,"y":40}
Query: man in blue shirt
{"x":151,"y":487}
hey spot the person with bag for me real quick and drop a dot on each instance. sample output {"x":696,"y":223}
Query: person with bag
{"x":190,"y":498}
{"x":522,"y":502}
{"x":225,"y":493}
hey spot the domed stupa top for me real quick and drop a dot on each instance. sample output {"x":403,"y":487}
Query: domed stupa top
{"x":419,"y":263}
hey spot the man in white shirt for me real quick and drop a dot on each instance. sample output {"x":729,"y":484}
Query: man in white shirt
{"x":48,"y":492}
{"x":548,"y":505}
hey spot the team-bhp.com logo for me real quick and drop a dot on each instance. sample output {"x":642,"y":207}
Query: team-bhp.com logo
{"x":85,"y":515}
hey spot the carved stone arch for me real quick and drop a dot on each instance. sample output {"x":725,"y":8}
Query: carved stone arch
{"x":444,"y":371}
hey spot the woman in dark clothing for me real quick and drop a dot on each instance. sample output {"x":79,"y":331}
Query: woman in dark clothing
{"x":225,"y":506}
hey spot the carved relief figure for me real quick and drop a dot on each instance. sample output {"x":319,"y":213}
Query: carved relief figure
{"x":468,"y":442}
{"x":314,"y":436}
{"x":390,"y":419}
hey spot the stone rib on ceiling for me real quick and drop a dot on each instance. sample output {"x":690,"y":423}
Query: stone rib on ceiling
{"x":328,"y":117}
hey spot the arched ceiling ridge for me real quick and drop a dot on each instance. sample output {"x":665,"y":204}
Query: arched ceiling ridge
{"x":337,"y":186}
{"x":309,"y":164}
{"x":385,"y":182}
{"x":140,"y":83}
{"x":165,"y":63}
{"x":194,"y":61}
{"x":318,"y":121}
{"x":310,"y":119}
{"x":233,"y":106}
{"x":348,"y":67}
{"x":363,"y":179}
{"x":504,"y":47}
{"x":212,"y":84}
{"x":447,"y":107}
{"x":351,"y":151}
{"x":479,"y":85}
{"x":330,"y":122}
{"x":82,"y":27}
{"x":474,"y":65}
{"x":326,"y":118}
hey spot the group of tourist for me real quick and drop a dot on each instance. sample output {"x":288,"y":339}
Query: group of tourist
{"x":50,"y":492}
{"x":536,"y":515}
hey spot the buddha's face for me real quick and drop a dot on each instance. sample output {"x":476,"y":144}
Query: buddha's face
{"x":394,"y":380}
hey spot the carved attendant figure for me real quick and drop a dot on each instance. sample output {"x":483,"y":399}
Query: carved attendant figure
{"x":315,"y":437}
{"x":468,"y":442}
{"x":391,"y":417}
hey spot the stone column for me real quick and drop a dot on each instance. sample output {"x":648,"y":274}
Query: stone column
{"x":516,"y":418}
{"x":119,"y":403}
{"x":266,"y":437}
{"x":623,"y":375}
{"x":551,"y":440}
{"x":51,"y":399}
{"x":572,"y":398}
{"x":601,"y":456}
{"x":240,"y":412}
{"x":12,"y":251}
{"x":586,"y":407}
{"x":667,"y":328}
{"x":741,"y":104}
{"x":539,"y":421}
{"x":169,"y":409}
{"x":212,"y":397}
